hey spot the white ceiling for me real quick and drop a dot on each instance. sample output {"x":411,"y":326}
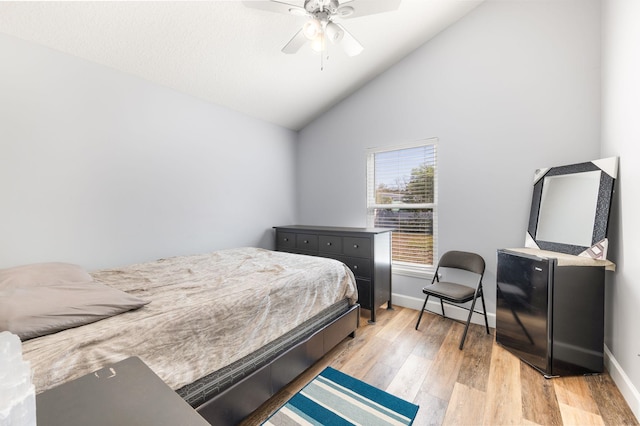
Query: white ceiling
{"x":226,"y":53}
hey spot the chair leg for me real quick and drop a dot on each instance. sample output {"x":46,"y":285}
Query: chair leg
{"x":484,"y":310}
{"x":466,"y":328}
{"x":422,"y":311}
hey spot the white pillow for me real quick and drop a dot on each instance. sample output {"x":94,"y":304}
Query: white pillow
{"x":42,"y":274}
{"x":40,"y":299}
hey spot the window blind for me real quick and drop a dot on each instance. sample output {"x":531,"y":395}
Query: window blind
{"x":402,"y":195}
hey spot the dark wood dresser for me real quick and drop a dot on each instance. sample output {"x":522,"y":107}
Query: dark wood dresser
{"x":366,"y":251}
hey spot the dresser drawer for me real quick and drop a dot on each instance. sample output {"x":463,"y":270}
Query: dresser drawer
{"x":285,"y":240}
{"x":364,"y":293}
{"x":360,"y":267}
{"x":330,"y":244}
{"x":307,"y":242}
{"x":358,"y":247}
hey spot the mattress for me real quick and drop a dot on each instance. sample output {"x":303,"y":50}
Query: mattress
{"x":207,"y":312}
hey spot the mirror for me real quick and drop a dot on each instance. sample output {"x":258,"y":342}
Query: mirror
{"x":562,"y":198}
{"x":570,"y":208}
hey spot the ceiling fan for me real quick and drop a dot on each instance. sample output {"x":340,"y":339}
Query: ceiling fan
{"x":320,"y":25}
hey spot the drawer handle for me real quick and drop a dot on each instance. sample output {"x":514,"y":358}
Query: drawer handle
{"x":328,"y":244}
{"x":355,"y":266}
{"x":286,"y":239}
{"x":306,"y":241}
{"x":355,"y":246}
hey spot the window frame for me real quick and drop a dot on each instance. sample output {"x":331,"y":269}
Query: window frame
{"x":399,"y":267}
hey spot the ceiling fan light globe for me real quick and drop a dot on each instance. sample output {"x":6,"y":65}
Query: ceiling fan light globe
{"x":312,"y":28}
{"x":318,"y":43}
{"x":334,"y":33}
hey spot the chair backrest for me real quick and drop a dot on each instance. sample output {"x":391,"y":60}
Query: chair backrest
{"x":471,"y":262}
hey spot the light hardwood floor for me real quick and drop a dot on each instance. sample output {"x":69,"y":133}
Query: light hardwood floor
{"x":480,"y":385}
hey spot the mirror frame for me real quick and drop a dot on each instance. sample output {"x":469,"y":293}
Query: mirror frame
{"x":599,"y":241}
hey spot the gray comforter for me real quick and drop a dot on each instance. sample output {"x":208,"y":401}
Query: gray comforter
{"x":206,"y":311}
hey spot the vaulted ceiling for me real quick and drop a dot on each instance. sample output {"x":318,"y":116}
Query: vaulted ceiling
{"x":227,"y":53}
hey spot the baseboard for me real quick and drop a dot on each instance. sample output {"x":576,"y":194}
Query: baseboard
{"x":627,"y":389}
{"x":620,"y":378}
{"x":450,"y":310}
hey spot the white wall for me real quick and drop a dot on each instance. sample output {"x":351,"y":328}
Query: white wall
{"x":621,"y":137}
{"x":102,"y":169}
{"x":512,"y":87}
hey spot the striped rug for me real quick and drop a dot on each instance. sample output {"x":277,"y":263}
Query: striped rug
{"x":334,"y":398}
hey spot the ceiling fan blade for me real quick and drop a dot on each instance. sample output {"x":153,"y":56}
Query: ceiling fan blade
{"x":276,"y":6}
{"x":295,"y":43}
{"x":357,"y":8}
{"x":351,"y":46}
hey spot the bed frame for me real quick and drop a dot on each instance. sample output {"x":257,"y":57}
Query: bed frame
{"x":231,"y":406}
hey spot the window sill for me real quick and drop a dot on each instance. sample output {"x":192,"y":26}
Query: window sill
{"x":413,"y":271}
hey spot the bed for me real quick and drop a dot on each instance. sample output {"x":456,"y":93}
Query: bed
{"x":225,"y":330}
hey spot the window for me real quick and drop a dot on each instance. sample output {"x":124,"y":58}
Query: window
{"x":402,"y":194}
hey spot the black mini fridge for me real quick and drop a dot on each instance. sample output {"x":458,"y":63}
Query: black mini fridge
{"x":550,"y":316}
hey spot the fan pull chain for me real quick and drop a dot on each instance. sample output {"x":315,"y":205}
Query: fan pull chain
{"x":324,"y":51}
